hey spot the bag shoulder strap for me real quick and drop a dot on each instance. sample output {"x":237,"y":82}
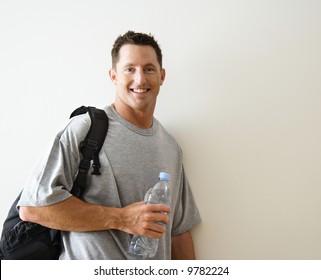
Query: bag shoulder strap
{"x":90,"y":147}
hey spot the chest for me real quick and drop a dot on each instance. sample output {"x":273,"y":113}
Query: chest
{"x":131,"y":163}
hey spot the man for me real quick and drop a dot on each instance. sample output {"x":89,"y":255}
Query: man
{"x":136,"y":149}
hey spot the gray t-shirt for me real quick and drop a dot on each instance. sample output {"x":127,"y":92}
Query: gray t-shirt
{"x":131,"y":159}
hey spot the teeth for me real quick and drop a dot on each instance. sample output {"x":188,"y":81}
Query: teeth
{"x":139,"y":90}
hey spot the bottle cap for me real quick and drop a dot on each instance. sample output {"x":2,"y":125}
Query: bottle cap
{"x":164,"y":176}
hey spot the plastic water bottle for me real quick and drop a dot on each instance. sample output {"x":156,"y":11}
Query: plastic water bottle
{"x":143,"y":246}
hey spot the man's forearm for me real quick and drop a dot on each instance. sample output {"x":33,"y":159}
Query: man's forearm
{"x":72,"y":214}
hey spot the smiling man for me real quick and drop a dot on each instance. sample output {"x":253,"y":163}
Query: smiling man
{"x":136,"y":149}
{"x":137,"y":74}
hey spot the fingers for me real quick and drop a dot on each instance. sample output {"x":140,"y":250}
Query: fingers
{"x":145,"y":219}
{"x":153,"y":230}
{"x":155,"y":218}
{"x":157,"y":208}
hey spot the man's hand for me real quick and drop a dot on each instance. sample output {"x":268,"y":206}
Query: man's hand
{"x":142,"y":219}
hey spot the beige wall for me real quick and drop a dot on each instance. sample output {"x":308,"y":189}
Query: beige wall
{"x":242,"y":96}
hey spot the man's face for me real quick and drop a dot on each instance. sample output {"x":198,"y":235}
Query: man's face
{"x":137,"y":77}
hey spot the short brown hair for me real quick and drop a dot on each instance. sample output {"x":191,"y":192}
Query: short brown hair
{"x":135,"y":38}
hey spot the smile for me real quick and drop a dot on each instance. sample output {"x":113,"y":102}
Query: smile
{"x":140,"y":90}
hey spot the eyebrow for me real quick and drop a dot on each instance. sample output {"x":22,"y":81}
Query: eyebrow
{"x":146,"y":65}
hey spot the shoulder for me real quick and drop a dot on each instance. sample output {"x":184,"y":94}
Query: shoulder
{"x":167,"y":136}
{"x":74,"y":130}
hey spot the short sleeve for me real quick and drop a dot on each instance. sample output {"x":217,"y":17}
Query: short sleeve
{"x":186,"y":213}
{"x":51,"y":179}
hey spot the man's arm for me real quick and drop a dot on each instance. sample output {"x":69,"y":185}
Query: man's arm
{"x":183,"y":247}
{"x":74,"y":214}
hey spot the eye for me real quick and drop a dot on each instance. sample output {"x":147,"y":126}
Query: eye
{"x":149,"y":70}
{"x":129,"y":70}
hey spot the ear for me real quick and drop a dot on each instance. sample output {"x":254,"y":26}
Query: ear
{"x":163,"y":74}
{"x":113,"y":76}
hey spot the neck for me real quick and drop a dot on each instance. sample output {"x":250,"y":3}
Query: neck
{"x":138,"y":118}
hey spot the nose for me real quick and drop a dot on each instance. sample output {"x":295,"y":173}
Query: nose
{"x":139,"y":77}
